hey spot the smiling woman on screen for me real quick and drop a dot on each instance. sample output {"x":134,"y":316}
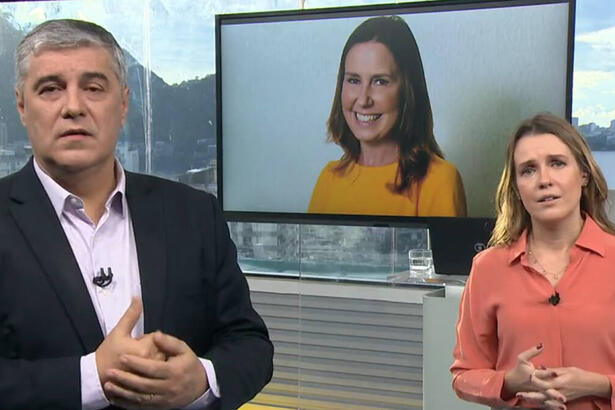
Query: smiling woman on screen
{"x":381,"y":117}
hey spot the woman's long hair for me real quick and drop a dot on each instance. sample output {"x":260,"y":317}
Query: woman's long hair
{"x":512,"y":217}
{"x":413,"y":131}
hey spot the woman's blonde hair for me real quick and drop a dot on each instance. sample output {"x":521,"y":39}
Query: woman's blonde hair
{"x":512,"y":217}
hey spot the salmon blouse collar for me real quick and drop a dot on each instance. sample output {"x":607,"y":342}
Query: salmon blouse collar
{"x":589,"y":239}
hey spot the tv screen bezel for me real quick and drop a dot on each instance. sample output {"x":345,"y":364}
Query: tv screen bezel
{"x":438,"y":226}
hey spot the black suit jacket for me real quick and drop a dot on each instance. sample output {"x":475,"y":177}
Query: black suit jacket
{"x":191,"y":285}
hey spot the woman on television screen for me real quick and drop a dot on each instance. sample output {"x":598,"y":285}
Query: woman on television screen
{"x":536,"y":326}
{"x":381,"y":118}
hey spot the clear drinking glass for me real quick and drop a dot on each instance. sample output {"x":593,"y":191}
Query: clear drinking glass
{"x":421,"y":264}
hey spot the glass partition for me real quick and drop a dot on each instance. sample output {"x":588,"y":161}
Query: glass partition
{"x":361,"y":253}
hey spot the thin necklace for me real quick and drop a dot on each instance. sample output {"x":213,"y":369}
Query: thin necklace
{"x":555,"y":275}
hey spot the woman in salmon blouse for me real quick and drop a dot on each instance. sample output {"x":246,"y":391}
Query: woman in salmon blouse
{"x":537,"y":318}
{"x":381,"y":118}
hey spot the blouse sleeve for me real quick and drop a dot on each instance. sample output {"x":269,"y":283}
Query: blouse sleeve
{"x":320,"y":192}
{"x":474,"y":376}
{"x":441,"y":192}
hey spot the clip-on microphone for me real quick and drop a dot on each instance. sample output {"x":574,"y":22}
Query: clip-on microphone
{"x":103,"y":280}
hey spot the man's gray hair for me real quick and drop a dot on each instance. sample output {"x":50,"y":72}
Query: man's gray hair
{"x":66,"y":34}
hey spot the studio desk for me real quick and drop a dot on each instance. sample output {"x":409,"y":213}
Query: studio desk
{"x":359,"y":344}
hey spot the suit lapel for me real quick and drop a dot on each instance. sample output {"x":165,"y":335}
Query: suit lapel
{"x":39,"y":224}
{"x":147,"y":213}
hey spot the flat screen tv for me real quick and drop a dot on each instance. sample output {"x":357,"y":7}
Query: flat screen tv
{"x":289,"y":85}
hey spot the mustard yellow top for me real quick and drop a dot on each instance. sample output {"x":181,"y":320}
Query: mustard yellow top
{"x":363,"y":190}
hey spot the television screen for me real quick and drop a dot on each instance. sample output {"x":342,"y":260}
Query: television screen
{"x":392,"y":114}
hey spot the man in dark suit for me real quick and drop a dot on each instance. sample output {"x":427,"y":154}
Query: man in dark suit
{"x":82,"y":243}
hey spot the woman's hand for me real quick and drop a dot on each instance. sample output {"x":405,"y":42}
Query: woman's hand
{"x":569,"y":383}
{"x":573,"y":382}
{"x":523,"y":381}
{"x":549,"y":399}
{"x":521,"y":377}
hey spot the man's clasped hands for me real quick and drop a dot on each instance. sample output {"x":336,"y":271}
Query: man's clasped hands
{"x":155,"y":370}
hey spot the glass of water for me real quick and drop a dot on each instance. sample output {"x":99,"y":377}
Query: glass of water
{"x":421,"y":264}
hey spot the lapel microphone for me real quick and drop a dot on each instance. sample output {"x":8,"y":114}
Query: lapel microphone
{"x":554,"y":299}
{"x":102,"y":279}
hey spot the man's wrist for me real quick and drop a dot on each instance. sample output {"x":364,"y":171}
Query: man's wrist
{"x":212,"y":391}
{"x":210,"y":373}
{"x":92,"y":394}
